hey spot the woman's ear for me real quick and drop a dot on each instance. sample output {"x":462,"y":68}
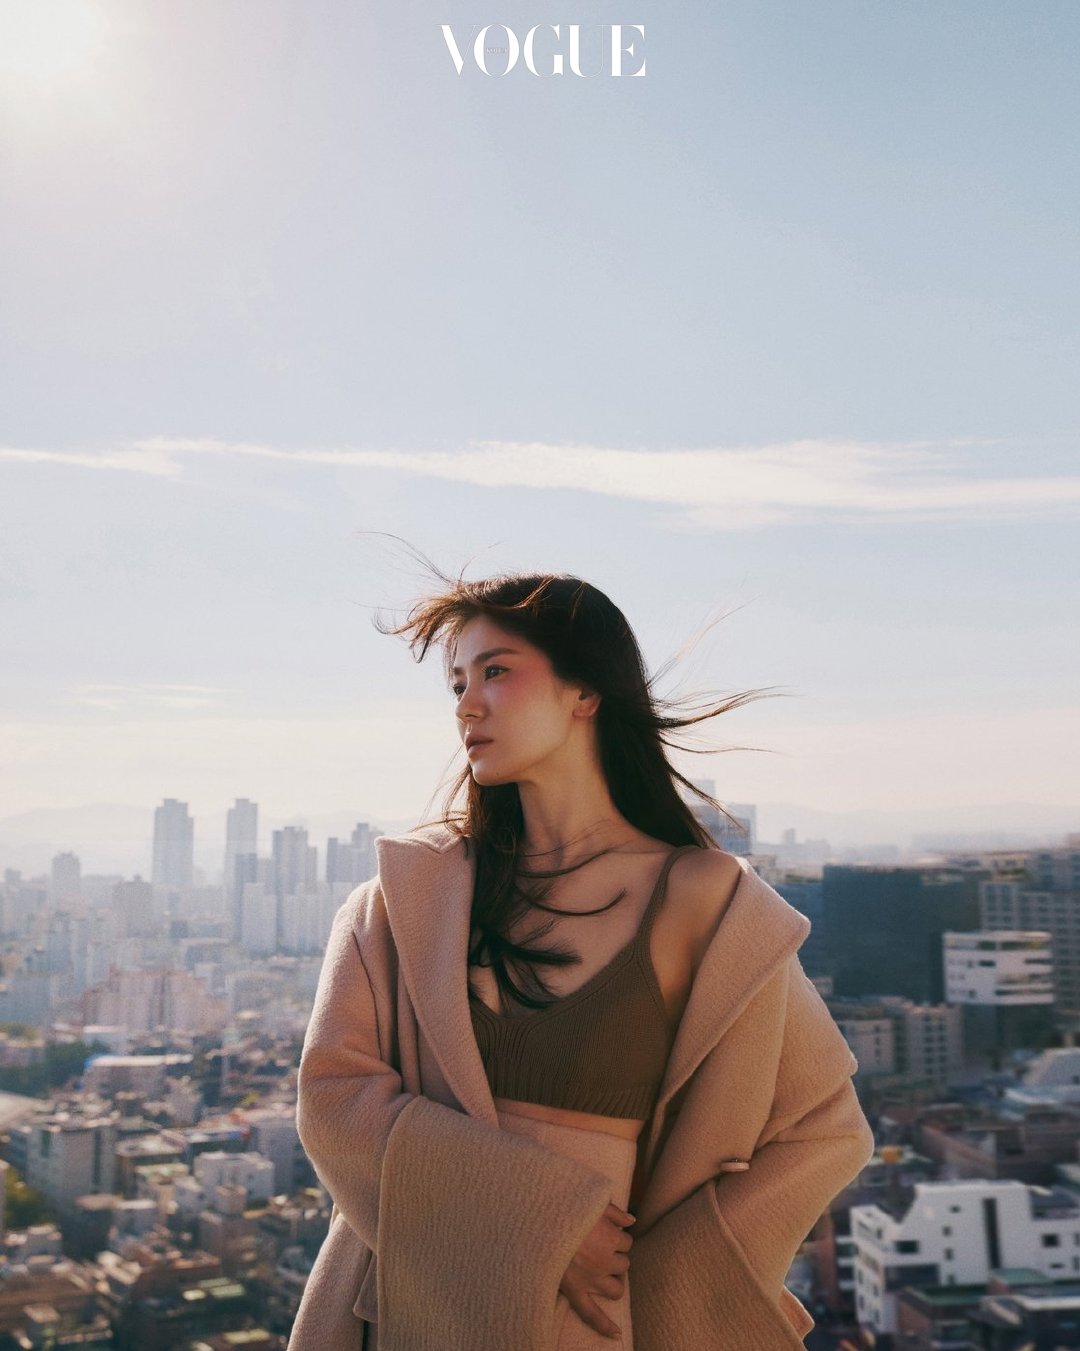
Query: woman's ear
{"x":588,"y":701}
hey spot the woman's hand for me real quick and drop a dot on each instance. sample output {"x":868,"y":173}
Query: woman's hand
{"x":599,"y":1268}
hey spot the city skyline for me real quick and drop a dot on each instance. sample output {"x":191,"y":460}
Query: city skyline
{"x":109,"y":838}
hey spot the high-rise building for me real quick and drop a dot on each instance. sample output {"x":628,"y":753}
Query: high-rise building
{"x":733,"y":829}
{"x":70,"y":1157}
{"x":241,"y":845}
{"x":739,"y":836}
{"x":706,"y":814}
{"x":295,"y":865}
{"x":295,"y":861}
{"x":355,"y":861}
{"x":174,"y":845}
{"x":274,"y":1136}
{"x":1003,"y":983}
{"x":1043,"y":892}
{"x":884,"y":927}
{"x":133,"y":906}
{"x":806,"y":897}
{"x":65,"y":885}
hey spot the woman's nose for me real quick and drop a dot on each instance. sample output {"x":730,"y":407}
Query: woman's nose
{"x":469,"y":702}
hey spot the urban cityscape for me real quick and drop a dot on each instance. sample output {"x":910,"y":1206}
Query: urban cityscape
{"x":156,"y":1193}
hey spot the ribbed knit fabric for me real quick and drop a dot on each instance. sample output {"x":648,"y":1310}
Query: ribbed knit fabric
{"x":601,"y":1049}
{"x":615,"y":1159}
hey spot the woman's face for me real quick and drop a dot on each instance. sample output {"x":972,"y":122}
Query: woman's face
{"x":511,"y":702}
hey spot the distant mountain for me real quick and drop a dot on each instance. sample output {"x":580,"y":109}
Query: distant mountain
{"x":994,"y":825}
{"x":108,"y":837}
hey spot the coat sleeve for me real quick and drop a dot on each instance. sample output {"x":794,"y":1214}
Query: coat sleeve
{"x":715,"y":1264}
{"x":472,"y":1227}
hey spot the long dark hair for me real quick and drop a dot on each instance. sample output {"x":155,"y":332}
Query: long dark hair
{"x":588,"y":641}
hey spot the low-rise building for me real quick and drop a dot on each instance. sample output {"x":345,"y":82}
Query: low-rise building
{"x":957,"y":1233}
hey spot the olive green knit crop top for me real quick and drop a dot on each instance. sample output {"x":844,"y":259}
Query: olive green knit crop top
{"x":602,"y":1048}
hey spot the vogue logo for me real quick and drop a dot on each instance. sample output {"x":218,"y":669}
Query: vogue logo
{"x":496,"y":49}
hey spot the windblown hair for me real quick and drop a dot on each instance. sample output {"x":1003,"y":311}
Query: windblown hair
{"x":588,"y":641}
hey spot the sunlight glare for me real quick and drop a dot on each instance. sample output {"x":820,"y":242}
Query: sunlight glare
{"x":41,"y":40}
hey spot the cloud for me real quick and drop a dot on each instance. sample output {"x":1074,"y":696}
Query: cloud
{"x":134,"y":459}
{"x":115,"y":698}
{"x":722,"y":488}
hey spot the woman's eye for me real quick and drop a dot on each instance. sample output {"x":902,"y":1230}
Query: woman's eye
{"x":456,"y":690}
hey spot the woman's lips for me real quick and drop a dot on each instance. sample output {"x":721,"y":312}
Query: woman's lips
{"x":474,"y":745}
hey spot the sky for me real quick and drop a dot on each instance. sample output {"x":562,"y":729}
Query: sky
{"x":778,"y":340}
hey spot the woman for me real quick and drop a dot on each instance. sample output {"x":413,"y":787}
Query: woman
{"x":564,"y":1065}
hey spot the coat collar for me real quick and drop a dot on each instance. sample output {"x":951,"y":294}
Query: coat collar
{"x":426,"y":879}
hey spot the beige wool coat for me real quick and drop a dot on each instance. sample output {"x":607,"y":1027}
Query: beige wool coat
{"x":453,"y":1235}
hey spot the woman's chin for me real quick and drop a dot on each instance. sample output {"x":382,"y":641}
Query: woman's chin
{"x":489,"y":778}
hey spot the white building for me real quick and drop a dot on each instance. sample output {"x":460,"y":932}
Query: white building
{"x":218,"y":1168}
{"x":1052,"y":1079}
{"x":1005,"y":967}
{"x":131,"y":1220}
{"x":274,"y":1136}
{"x":69,"y":1158}
{"x":955,"y":1233}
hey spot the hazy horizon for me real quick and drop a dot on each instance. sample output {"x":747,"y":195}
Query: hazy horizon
{"x":112,"y":837}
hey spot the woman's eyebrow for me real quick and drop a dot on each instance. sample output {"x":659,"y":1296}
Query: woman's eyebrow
{"x":483,"y":656}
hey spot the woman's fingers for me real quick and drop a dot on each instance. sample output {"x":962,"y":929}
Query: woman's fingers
{"x":597,"y":1319}
{"x":599,"y":1268}
{"x":611,"y":1287}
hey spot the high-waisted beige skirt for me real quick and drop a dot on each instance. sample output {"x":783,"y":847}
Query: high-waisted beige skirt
{"x":616,"y":1159}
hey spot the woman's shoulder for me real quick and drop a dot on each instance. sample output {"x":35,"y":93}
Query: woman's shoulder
{"x":709,"y":876}
{"x":701,"y":887}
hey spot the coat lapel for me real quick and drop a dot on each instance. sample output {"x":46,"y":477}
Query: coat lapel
{"x":758,"y":933}
{"x":427,"y":882}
